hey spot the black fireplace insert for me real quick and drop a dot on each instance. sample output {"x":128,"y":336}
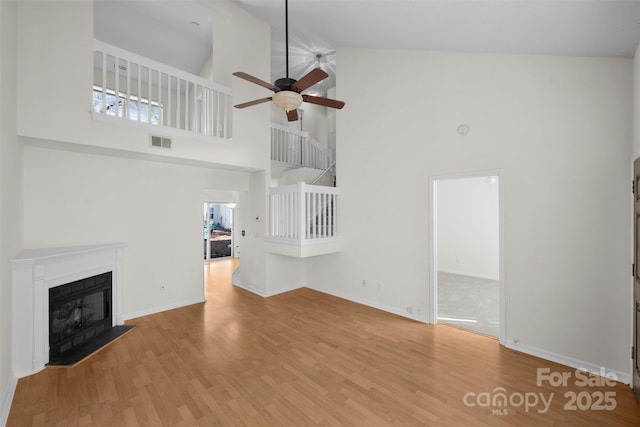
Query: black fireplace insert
{"x":80,"y":317}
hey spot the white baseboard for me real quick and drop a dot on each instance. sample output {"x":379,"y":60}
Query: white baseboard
{"x":262,"y":293}
{"x":235,"y":274}
{"x":283,"y":290}
{"x":7,"y":399}
{"x":335,"y":293}
{"x":623,"y":377}
{"x":162,"y":308}
{"x":250,"y":288}
{"x":421,"y":317}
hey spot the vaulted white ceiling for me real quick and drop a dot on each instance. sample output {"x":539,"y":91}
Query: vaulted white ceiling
{"x":174,"y":32}
{"x":549,"y":27}
{"x":559,"y":27}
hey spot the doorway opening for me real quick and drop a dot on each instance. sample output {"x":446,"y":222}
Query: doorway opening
{"x":466,"y":243}
{"x":218,"y":230}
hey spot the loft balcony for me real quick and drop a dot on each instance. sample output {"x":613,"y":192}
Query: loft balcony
{"x":304,"y":220}
{"x":132,"y":88}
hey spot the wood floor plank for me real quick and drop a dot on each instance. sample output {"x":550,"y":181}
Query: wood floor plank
{"x":300,"y":358}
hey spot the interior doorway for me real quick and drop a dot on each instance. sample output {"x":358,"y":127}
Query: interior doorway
{"x":467,"y":274}
{"x":218,"y":230}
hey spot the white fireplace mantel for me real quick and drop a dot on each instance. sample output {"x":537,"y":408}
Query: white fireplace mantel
{"x":35,"y":271}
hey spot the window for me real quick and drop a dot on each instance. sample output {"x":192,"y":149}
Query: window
{"x":137,"y":109}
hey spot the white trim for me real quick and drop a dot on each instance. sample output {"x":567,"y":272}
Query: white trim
{"x":432,"y":197}
{"x":283,"y":290}
{"x":166,"y":307}
{"x":7,"y":399}
{"x":432,"y":237}
{"x":249,"y":288}
{"x":34,"y":272}
{"x":266,"y":294}
{"x":304,"y":248}
{"x":373,"y":304}
{"x":623,"y":377}
{"x":167,"y":131}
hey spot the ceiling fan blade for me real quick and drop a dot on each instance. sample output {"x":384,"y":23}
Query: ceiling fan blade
{"x":254,"y":102}
{"x":327,"y":102}
{"x":292,"y":115}
{"x":311,"y":78}
{"x":250,"y":78}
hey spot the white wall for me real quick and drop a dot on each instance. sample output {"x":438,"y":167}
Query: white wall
{"x":156,"y":208}
{"x":284,"y":273}
{"x":10,"y":194}
{"x":636,"y":105}
{"x":467,"y":226}
{"x":253,"y":220}
{"x":559,"y":130}
{"x":315,"y":122}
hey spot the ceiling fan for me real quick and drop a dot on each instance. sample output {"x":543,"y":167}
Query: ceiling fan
{"x":287,"y":92}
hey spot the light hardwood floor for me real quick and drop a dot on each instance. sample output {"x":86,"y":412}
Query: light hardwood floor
{"x":303,"y":358}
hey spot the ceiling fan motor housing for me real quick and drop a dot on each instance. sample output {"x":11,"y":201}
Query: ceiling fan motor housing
{"x":284,"y":83}
{"x":287,"y":91}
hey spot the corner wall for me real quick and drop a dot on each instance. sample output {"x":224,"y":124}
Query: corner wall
{"x":558,"y":129}
{"x":10,"y":195}
{"x":156,"y":208}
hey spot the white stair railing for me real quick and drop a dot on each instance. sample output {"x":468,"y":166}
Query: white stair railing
{"x":131,"y":87}
{"x":303,"y":213}
{"x":324,"y":172}
{"x":296,"y":148}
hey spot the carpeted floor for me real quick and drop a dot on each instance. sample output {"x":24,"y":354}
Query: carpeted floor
{"x":469,"y":302}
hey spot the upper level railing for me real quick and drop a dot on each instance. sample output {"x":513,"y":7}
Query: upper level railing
{"x":132,"y":87}
{"x":297,"y":148}
{"x":303,"y":213}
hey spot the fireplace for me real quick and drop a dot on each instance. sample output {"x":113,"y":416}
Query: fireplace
{"x":83,"y":286}
{"x":79,"y":312}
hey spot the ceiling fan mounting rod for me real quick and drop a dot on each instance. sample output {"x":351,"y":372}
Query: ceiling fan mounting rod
{"x":287,"y":92}
{"x":286,"y":33}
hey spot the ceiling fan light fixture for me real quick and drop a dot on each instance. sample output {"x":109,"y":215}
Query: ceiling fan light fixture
{"x":287,"y":91}
{"x":287,"y":100}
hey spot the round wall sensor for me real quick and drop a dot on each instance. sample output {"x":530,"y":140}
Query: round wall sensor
{"x":463,"y":129}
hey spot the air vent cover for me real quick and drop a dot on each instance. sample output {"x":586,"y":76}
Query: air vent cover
{"x":160,"y":142}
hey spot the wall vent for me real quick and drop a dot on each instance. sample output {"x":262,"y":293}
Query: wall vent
{"x":160,"y":142}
